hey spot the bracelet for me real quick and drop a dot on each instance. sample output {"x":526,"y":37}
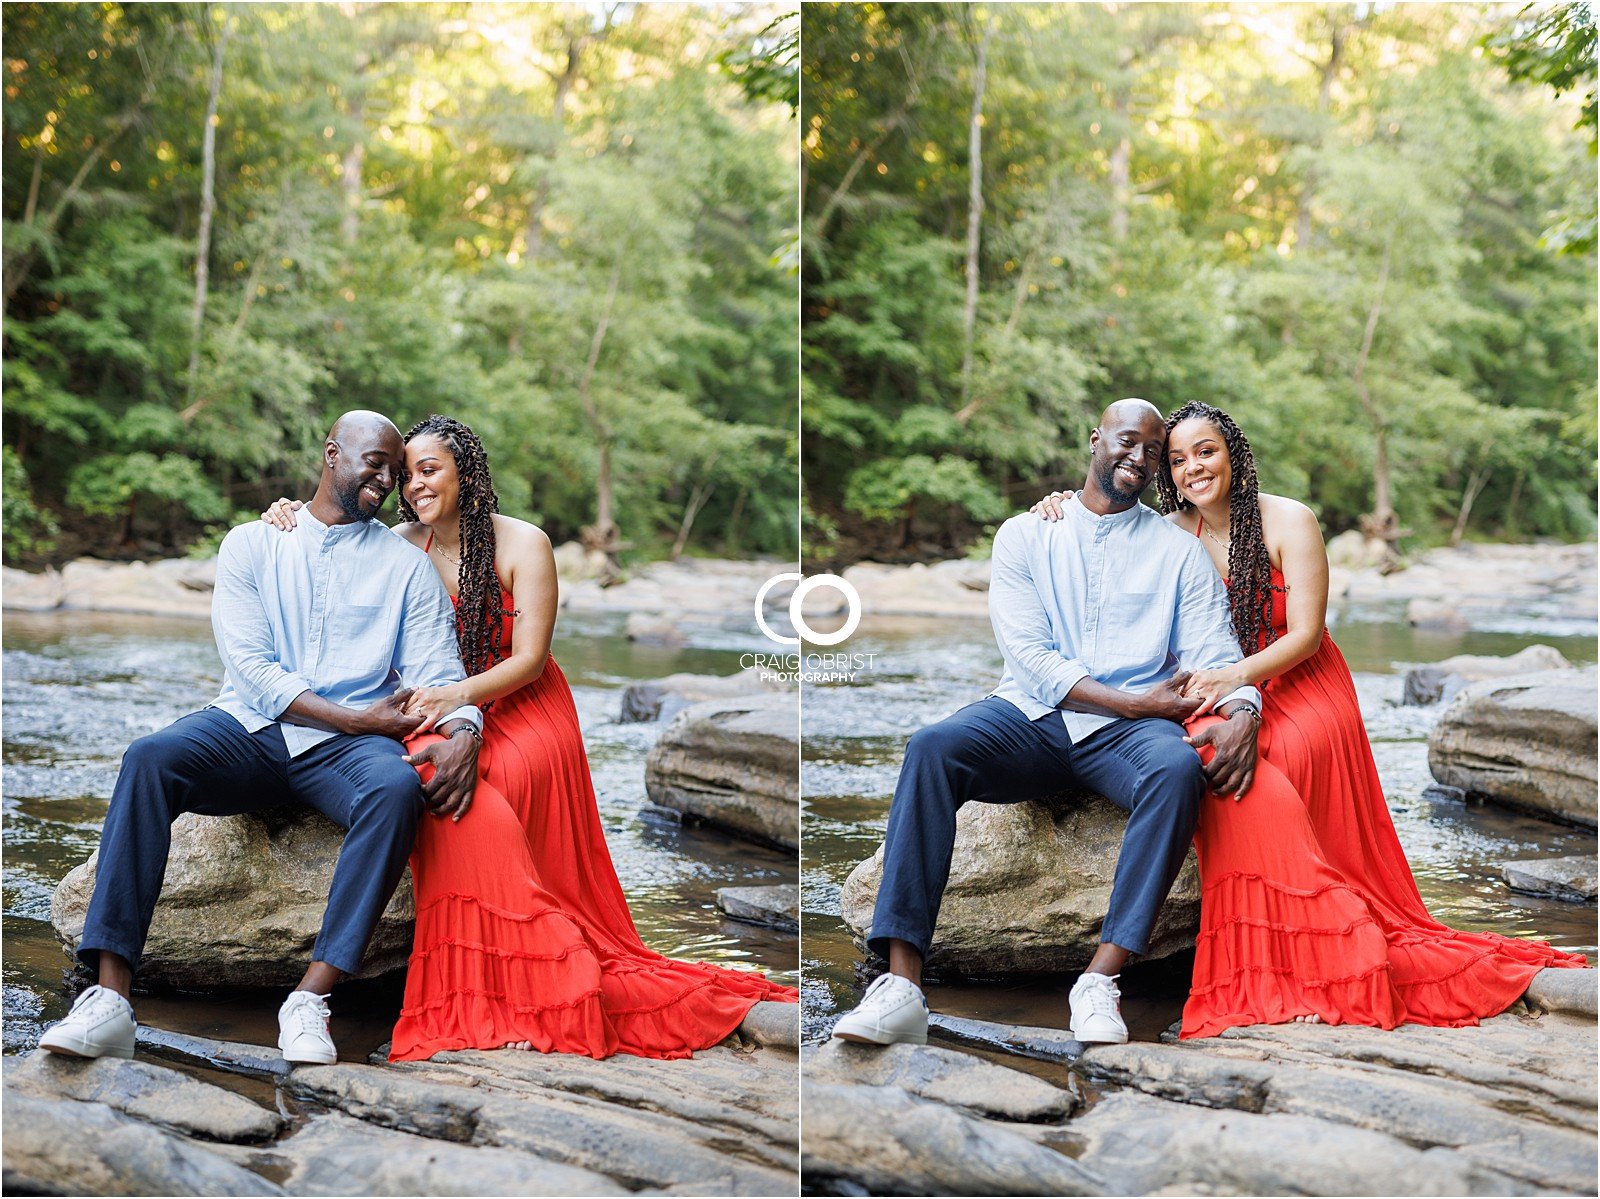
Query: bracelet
{"x":1247,"y":708}
{"x":468,"y":727}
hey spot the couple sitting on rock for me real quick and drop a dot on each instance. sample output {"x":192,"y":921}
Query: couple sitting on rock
{"x":448,"y":736}
{"x":1121,"y":633}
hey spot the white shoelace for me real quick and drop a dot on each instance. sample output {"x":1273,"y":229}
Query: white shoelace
{"x":311,"y":1016}
{"x":97,"y":1003}
{"x":1102,"y":997}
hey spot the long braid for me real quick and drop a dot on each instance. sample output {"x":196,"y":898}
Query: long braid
{"x":1249,"y":565}
{"x":479,"y":615}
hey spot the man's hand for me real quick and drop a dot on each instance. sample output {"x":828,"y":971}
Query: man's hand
{"x":1232,"y":767}
{"x":1166,"y":701}
{"x":386,"y":718}
{"x":455,"y":774}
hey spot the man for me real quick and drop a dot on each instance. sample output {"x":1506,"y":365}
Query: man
{"x":316,"y":630}
{"x":1100,"y":616}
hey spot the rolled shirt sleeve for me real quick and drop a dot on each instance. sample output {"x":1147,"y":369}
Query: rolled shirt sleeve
{"x":1203,"y":637}
{"x":1031,"y":649}
{"x":427,"y":654}
{"x":244,"y":634}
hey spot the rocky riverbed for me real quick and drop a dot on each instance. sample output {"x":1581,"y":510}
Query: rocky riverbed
{"x":1507,"y":1107}
{"x":469,"y":1123}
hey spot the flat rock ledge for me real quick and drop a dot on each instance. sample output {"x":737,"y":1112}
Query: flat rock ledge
{"x":1526,"y":742}
{"x":1029,"y":887}
{"x":1569,"y":879}
{"x":732,"y":764}
{"x":774,"y":907}
{"x":1508,"y":1107}
{"x":468,"y":1123}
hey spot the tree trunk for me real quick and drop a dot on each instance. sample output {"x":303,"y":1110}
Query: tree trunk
{"x":1381,"y":522}
{"x":1475,"y":486}
{"x":697,"y":501}
{"x":208,"y":204}
{"x":969,"y":315}
{"x":604,"y":534}
{"x":1327,"y":71}
{"x":355,"y":156}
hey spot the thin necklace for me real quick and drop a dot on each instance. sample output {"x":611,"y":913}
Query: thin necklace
{"x":453,"y":561}
{"x":1225,"y":545}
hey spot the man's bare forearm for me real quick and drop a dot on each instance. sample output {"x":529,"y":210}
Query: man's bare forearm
{"x":1096,"y":698}
{"x":312,"y":711}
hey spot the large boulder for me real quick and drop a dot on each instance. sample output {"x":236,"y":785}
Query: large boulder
{"x":1028,"y":891}
{"x":1443,"y":681}
{"x":25,"y":591}
{"x":733,"y":763}
{"x":242,"y":903}
{"x":169,"y":587}
{"x":662,"y":699}
{"x":958,"y":587}
{"x":1527,"y":742}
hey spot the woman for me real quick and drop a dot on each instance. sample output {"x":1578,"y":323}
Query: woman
{"x":1308,"y":910}
{"x":523,"y":936}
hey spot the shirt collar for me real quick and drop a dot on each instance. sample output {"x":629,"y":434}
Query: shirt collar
{"x":1111,"y":518}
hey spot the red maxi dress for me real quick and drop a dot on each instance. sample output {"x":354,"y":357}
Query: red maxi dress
{"x":1307,"y":901}
{"x":523,"y":933}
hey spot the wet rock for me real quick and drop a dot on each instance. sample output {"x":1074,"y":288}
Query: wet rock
{"x":662,"y":699}
{"x":169,"y":587}
{"x":1506,"y":1107}
{"x":336,"y":1155}
{"x":955,"y":588}
{"x":63,"y":1147}
{"x":1353,"y":550}
{"x":150,"y":1093}
{"x":773,"y":1024}
{"x":1029,"y":887}
{"x":942,"y":1076}
{"x":24,"y":591}
{"x":1138,"y":1145}
{"x":732,"y":763}
{"x":242,"y":903}
{"x":1527,"y":742}
{"x":1568,"y":879}
{"x":1024,"y":1040}
{"x":882,"y":1140}
{"x":655,"y":630}
{"x":775,"y":907}
{"x":1440,"y":682}
{"x":722,"y":1122}
{"x":1436,"y":614}
{"x":1571,"y":991}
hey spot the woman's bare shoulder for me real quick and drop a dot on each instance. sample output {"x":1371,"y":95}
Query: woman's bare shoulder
{"x":412,"y":531}
{"x":1186,"y":519}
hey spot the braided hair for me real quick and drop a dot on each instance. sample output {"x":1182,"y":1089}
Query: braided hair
{"x":1249,"y":566}
{"x":480,"y":613}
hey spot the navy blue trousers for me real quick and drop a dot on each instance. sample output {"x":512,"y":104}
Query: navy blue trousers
{"x":206,"y":762}
{"x":991,"y":753}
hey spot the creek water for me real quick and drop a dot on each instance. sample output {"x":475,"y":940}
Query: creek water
{"x":79,"y":687}
{"x":922,"y":670}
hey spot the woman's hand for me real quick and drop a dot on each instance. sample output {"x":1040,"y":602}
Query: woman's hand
{"x":1050,"y":508}
{"x":433,"y":704}
{"x":280,"y":513}
{"x":1209,"y":686}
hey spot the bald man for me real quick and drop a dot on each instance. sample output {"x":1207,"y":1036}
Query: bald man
{"x":1100,"y":617}
{"x":317,"y":629}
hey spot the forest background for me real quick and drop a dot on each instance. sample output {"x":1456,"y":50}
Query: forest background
{"x":1367,"y":231}
{"x":570,"y":226}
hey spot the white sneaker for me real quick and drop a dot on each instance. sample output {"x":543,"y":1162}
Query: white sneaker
{"x":1096,"y":1012}
{"x":100,"y":1024}
{"x":303,"y":1029}
{"x":893,"y":1009}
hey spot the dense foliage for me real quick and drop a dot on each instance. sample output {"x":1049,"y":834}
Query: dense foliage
{"x":1329,"y":219}
{"x":563,"y":224}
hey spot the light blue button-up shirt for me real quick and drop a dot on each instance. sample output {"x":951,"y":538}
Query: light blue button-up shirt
{"x":1127,"y":599}
{"x":347,"y":612}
